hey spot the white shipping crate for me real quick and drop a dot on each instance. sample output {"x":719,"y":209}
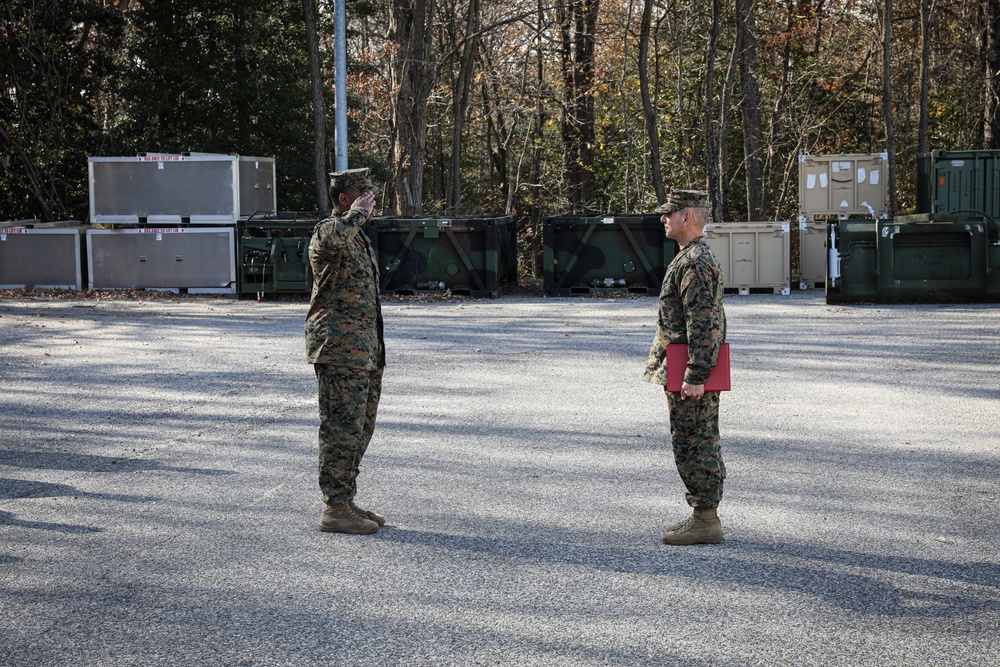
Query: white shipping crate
{"x":843,"y":185}
{"x":40,"y":258}
{"x":172,"y":189}
{"x":196,"y":259}
{"x":755,"y":256}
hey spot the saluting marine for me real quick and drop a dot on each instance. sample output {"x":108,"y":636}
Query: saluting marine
{"x":345,"y":344}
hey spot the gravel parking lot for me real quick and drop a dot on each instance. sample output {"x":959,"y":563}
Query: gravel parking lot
{"x":158,"y":494}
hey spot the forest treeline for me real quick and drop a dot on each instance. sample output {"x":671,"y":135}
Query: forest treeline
{"x":483,"y":107}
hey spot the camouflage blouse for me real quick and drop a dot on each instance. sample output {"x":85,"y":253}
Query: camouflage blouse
{"x":344,"y":324}
{"x":690,"y":312}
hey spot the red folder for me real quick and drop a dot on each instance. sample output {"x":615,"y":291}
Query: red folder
{"x":677,"y":359}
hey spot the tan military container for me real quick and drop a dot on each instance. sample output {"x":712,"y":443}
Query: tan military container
{"x":755,"y":256}
{"x":842,"y":185}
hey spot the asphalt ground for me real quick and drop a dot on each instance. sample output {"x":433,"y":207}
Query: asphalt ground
{"x":158,"y":498}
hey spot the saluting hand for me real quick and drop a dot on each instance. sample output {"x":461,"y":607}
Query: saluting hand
{"x":366,"y":201}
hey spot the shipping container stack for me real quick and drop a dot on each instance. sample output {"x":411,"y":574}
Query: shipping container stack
{"x":948,"y":251}
{"x":161,"y":221}
{"x":835,"y":188}
{"x":170,"y":221}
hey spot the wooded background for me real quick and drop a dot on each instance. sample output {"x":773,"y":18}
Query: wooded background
{"x":480,"y":107}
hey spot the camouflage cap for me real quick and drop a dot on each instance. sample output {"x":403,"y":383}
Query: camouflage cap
{"x":356,"y":179}
{"x":678,"y":199}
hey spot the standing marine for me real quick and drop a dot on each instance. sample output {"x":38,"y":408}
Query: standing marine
{"x":691,"y":312}
{"x":345,"y":344}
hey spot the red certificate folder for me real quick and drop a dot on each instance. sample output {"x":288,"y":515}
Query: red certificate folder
{"x":677,"y":359}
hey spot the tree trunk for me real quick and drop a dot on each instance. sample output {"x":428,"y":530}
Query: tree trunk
{"x":681,"y":37}
{"x":774,"y":195}
{"x":890,"y":131}
{"x":648,"y":111}
{"x":412,"y":77}
{"x":711,"y":148}
{"x":538,"y":141}
{"x":926,"y":22}
{"x":318,"y":105}
{"x":460,"y":102}
{"x":991,"y":47}
{"x":577,"y":22}
{"x":498,"y":133}
{"x":752,"y":133}
{"x":722,"y":204}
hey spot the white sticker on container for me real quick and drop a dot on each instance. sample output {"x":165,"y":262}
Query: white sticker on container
{"x":3,"y":237}
{"x":836,"y":166}
{"x":861,"y":174}
{"x":159,"y":236}
{"x":873,"y":177}
{"x":810,"y":181}
{"x":822,"y":180}
{"x":844,"y":204}
{"x":608,"y":221}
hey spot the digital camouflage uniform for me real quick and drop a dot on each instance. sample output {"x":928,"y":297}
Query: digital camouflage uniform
{"x":691,"y":312}
{"x":344,"y":342}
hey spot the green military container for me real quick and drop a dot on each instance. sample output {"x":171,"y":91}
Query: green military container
{"x":469,"y":256}
{"x":273,"y":253}
{"x":935,"y":257}
{"x":852,"y":263}
{"x":592,"y":254}
{"x":958,"y":181}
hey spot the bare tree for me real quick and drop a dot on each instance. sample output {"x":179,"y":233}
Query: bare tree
{"x":577,"y":23}
{"x":318,"y":105}
{"x":752,"y":133}
{"x":460,"y":102}
{"x":926,"y":23}
{"x":711,"y":147}
{"x":412,"y":76}
{"x":890,"y":131}
{"x":991,"y":57}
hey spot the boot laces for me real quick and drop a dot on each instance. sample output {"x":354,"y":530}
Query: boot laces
{"x":687,"y":524}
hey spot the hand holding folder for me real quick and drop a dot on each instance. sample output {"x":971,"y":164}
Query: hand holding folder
{"x":677,"y":359}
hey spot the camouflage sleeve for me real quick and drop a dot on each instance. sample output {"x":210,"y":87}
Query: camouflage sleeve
{"x":337,"y":231}
{"x":704,"y":321}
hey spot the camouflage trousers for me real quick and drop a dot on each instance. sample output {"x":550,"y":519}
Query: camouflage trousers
{"x":694,"y":431}
{"x":348,"y":404}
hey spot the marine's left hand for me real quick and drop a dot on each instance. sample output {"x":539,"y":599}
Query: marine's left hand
{"x":694,"y":391}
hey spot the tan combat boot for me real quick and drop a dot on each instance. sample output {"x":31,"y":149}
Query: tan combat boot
{"x":702,"y":527}
{"x":368,"y":514}
{"x":340,"y":518}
